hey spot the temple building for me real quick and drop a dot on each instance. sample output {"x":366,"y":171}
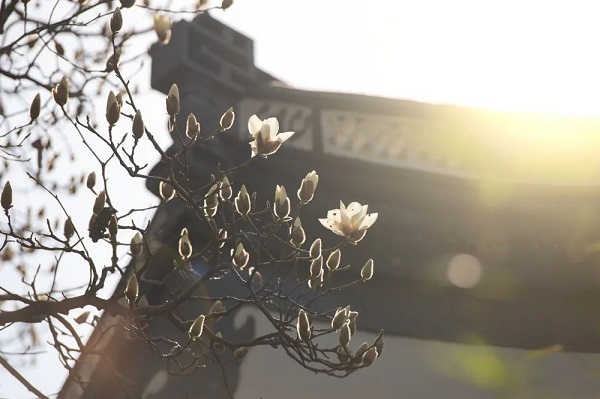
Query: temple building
{"x":487,"y":247}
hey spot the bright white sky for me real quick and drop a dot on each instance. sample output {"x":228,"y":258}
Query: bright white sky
{"x":520,"y":55}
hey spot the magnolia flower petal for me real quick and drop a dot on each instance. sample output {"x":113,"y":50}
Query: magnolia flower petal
{"x":282,"y":137}
{"x":357,"y":219}
{"x":368,"y":221}
{"x":273,"y":124}
{"x":334,"y":215}
{"x":254,"y":124}
{"x":328,"y":224}
{"x":353,"y":208}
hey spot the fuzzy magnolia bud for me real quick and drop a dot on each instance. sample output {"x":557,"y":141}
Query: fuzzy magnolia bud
{"x":257,"y":279}
{"x":197,"y":327}
{"x":113,"y":226}
{"x":173,"y":100}
{"x":116,"y":21}
{"x":297,"y":235}
{"x":99,"y":202}
{"x":225,"y":191}
{"x":315,"y":281}
{"x":367,"y":270}
{"x":6,"y":199}
{"x":225,"y":4}
{"x":212,"y":199}
{"x":240,"y":353}
{"x":240,"y":256}
{"x":308,"y":187}
{"x":185,"y":246}
{"x":192,"y":127}
{"x":379,"y":344}
{"x":166,"y":191}
{"x":303,"y":326}
{"x":162,"y":27}
{"x":361,"y":349}
{"x":333,"y":260}
{"x":221,"y":237}
{"x":138,"y":125}
{"x":369,"y":356}
{"x":339,"y":319}
{"x":36,"y":105}
{"x":136,"y":246}
{"x":60,"y":92}
{"x":217,"y":307}
{"x":281,"y":206}
{"x":68,"y":229}
{"x":242,"y":202}
{"x":316,"y":266}
{"x":132,"y":290}
{"x":315,"y":249}
{"x":113,"y":109}
{"x":345,"y":335}
{"x":91,"y":180}
{"x":127,"y":3}
{"x":227,"y":119}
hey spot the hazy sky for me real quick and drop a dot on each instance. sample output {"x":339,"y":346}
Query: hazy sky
{"x":513,"y":54}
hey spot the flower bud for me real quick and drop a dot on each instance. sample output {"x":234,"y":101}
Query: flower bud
{"x":333,"y":260}
{"x":68,"y":229}
{"x":212,"y":200}
{"x":217,"y":307}
{"x":6,"y":199}
{"x":316,"y":267}
{"x":221,"y":237}
{"x":361,"y":349}
{"x":257,"y":279}
{"x":127,"y":3}
{"x":315,"y":281}
{"x":369,"y":356}
{"x":197,"y":327}
{"x":339,"y":319}
{"x":36,"y":104}
{"x":113,"y":60}
{"x":136,"y":246}
{"x":173,"y":100}
{"x":342,"y":354}
{"x":379,"y":345}
{"x":345,"y":335}
{"x":240,"y":353}
{"x":226,"y":191}
{"x":303,"y":326}
{"x":116,"y":21}
{"x":297,"y":235}
{"x":193,"y":127}
{"x":113,"y":109}
{"x":99,"y":202}
{"x":367,"y":271}
{"x":240,"y":256}
{"x":227,"y":119}
{"x":185,"y":246}
{"x":166,"y":191}
{"x":281,"y":206}
{"x":225,"y":4}
{"x":60,"y":92}
{"x":132,"y":290}
{"x":138,"y":125}
{"x":91,"y":180}
{"x":242,"y":202}
{"x":308,"y":187}
{"x":315,"y":249}
{"x":162,"y":27}
{"x":113,"y":226}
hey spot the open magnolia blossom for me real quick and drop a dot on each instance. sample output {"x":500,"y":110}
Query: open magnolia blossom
{"x":266,"y":138}
{"x":351,"y":222}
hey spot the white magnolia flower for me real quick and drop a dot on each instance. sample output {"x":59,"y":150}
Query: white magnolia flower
{"x":351,"y":222}
{"x":266,"y":138}
{"x":308,"y":187}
